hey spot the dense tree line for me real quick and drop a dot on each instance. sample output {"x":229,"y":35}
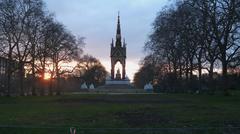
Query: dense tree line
{"x":193,"y":37}
{"x":34,"y":44}
{"x":90,"y":70}
{"x":87,"y":69}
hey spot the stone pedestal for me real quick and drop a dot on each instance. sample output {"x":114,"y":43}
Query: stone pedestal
{"x":110,"y":81}
{"x":117,"y":82}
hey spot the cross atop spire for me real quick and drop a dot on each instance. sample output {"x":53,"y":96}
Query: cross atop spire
{"x":118,"y":35}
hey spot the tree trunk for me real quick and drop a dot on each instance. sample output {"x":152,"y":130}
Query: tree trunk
{"x":200,"y":69}
{"x":199,"y":75}
{"x":33,"y":73}
{"x":175,"y":71}
{"x":33,"y":79}
{"x":224,"y":76}
{"x":191,"y":70}
{"x":211,"y":80}
{"x":187,"y":71}
{"x":21,"y":77}
{"x":50,"y":87}
{"x":180,"y":71}
{"x":9,"y":73}
{"x":211,"y":71}
{"x":9,"y":78}
{"x":58,"y":79}
{"x":191,"y":82}
{"x":42,"y":92}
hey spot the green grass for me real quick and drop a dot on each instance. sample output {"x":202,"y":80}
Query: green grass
{"x":179,"y":113}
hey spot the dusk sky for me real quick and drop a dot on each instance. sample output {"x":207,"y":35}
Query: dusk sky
{"x":96,"y":20}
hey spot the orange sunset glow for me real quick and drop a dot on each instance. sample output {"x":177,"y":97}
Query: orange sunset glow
{"x":47,"y":76}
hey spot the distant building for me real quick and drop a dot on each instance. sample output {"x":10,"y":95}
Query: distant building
{"x":3,"y":72}
{"x":4,"y":65}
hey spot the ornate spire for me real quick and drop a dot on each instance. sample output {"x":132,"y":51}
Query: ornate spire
{"x":112,"y":44}
{"x":118,"y":35}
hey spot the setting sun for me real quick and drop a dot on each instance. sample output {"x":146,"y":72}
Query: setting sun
{"x":47,"y":76}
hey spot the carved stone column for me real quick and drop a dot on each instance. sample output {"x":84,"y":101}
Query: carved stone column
{"x":123,"y":72}
{"x":112,"y":73}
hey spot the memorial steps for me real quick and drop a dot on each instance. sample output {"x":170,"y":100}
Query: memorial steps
{"x":118,"y":88}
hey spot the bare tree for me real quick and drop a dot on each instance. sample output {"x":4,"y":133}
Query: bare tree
{"x":63,"y":47}
{"x":194,"y":35}
{"x":31,"y":38}
{"x":225,"y":22}
{"x":91,"y":70}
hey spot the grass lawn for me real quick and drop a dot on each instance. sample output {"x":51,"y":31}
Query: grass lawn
{"x":103,"y":114}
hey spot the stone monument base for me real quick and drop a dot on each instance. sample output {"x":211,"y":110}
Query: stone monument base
{"x":118,"y":86}
{"x":118,"y":82}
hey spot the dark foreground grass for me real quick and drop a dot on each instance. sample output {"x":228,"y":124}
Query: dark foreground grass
{"x":115,"y":114}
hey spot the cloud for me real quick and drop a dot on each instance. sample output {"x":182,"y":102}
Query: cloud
{"x":96,"y":20}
